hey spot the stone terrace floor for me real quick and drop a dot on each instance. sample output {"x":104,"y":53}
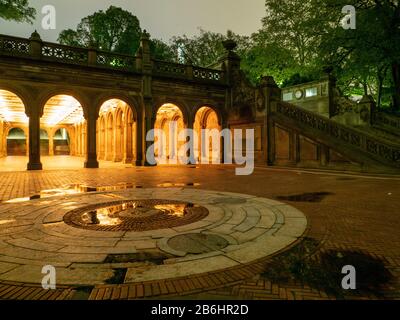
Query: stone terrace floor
{"x":345,"y":213}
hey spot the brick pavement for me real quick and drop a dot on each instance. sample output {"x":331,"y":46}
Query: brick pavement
{"x":361,"y":213}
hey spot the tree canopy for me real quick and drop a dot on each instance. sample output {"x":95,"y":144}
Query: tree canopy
{"x":297,"y":40}
{"x":17,"y":10}
{"x":115,"y":30}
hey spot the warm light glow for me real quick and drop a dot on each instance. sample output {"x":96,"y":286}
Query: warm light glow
{"x":11,"y":108}
{"x":172,"y":209}
{"x":62,"y":110}
{"x":111,"y":105}
{"x":7,"y":221}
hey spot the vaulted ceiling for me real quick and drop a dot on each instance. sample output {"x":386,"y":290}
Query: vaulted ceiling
{"x":59,"y":110}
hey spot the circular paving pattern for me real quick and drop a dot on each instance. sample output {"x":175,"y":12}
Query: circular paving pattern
{"x":135,"y":215}
{"x":87,"y":237}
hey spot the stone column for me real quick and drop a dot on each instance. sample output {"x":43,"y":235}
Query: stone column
{"x":139,"y":140}
{"x":272,"y":96}
{"x":128,"y":152}
{"x":51,"y":143}
{"x":91,"y":152}
{"x":34,"y":139}
{"x":189,"y":155}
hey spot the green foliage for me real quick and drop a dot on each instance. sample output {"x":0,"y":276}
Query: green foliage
{"x":17,"y":10}
{"x":113,"y":30}
{"x":206,"y":48}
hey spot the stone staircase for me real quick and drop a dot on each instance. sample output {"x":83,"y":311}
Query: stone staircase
{"x":373,"y":149}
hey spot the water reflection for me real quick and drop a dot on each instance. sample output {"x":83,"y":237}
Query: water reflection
{"x":129,"y":211}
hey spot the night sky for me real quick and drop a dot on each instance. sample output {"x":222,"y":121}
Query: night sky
{"x":162,"y":18}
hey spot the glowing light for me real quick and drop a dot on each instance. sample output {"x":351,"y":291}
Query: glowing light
{"x":68,"y":110}
{"x":172,"y":209}
{"x":6,"y":221}
{"x":11,"y":108}
{"x":18,"y":200}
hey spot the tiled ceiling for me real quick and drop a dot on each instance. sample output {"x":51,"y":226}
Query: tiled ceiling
{"x":59,"y":110}
{"x":11,"y":108}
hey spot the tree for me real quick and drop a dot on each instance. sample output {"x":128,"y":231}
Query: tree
{"x":285,"y":46}
{"x":113,"y":30}
{"x":206,"y":48}
{"x":17,"y":10}
{"x":371,"y":50}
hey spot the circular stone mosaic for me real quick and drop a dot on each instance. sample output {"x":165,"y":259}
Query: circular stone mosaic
{"x":135,"y":215}
{"x":88,"y":236}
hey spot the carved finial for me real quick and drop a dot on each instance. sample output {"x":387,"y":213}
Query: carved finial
{"x":268,"y":81}
{"x":145,"y":35}
{"x":229,"y":45}
{"x":35,"y":36}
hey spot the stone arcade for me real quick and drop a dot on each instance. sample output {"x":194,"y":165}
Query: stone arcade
{"x":60,"y":100}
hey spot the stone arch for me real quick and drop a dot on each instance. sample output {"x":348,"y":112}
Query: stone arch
{"x":21,"y":93}
{"x":130,"y":102}
{"x":218,"y":111}
{"x":16,"y":147}
{"x":76,"y":94}
{"x":13,"y":114}
{"x":209,"y":145}
{"x":109,"y":136}
{"x":182,"y":106}
{"x":120,"y":122}
{"x":63,"y":148}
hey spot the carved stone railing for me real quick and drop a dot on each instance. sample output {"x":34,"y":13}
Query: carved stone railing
{"x":115,"y":61}
{"x":36,"y":49}
{"x":386,"y":120}
{"x":14,"y":46}
{"x":56,"y":52}
{"x":384,"y":152}
{"x":169,"y":69}
{"x":208,"y":74}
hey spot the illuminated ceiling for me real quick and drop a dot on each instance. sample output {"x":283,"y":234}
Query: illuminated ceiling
{"x":59,"y":110}
{"x":111,"y":105}
{"x":168,"y":110}
{"x":62,"y":110}
{"x":11,"y":108}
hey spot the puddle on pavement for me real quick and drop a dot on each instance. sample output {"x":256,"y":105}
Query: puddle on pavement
{"x":306,"y":197}
{"x":323,"y":270}
{"x":81,"y":188}
{"x":135,"y":215}
{"x":118,"y":276}
{"x":174,"y":185}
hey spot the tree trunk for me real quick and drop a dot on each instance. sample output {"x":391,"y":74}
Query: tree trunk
{"x":396,"y":81}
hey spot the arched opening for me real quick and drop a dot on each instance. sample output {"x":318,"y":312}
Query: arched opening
{"x":170,"y":121}
{"x":44,"y":143}
{"x":207,"y":119}
{"x":16,"y":142}
{"x":65,"y":126}
{"x":62,"y":142}
{"x":116,"y":132}
{"x":13,"y":126}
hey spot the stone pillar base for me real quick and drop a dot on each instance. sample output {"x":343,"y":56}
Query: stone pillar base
{"x":127,"y":160}
{"x":34,"y":166}
{"x":91,"y":164}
